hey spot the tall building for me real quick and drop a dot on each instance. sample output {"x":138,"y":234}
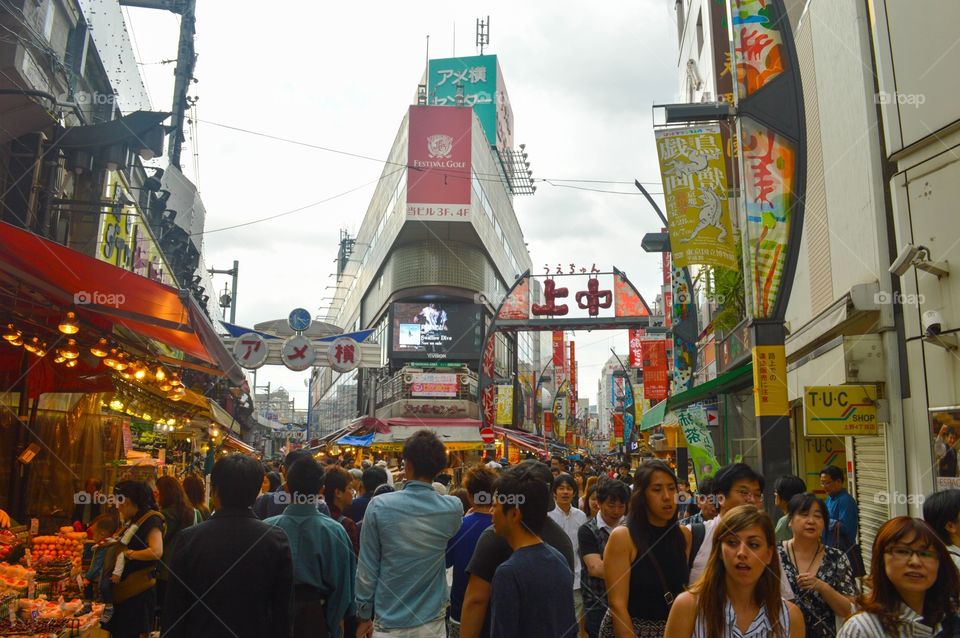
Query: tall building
{"x":438,"y":248}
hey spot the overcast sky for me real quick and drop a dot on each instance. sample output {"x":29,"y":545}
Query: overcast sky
{"x":582,"y":79}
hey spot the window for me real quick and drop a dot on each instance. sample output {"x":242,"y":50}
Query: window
{"x":700,"y":32}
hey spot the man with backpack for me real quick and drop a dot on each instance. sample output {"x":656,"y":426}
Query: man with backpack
{"x":735,"y":485}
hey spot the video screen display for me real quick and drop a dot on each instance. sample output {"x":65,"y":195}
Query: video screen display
{"x":437,"y":330}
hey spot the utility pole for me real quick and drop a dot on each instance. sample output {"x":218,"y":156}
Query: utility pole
{"x":232,"y":297}
{"x":186,"y":61}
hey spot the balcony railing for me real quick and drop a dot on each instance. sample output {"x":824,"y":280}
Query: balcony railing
{"x":398,"y":387}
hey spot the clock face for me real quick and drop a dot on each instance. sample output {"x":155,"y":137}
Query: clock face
{"x":299,"y":319}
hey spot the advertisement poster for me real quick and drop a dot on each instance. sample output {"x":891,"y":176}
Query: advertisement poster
{"x":547,"y":423}
{"x":437,"y":330}
{"x":945,"y":430}
{"x":770,"y":381}
{"x":438,"y":160}
{"x":559,"y":360}
{"x":504,"y":405}
{"x":636,"y":347}
{"x":655,"y":381}
{"x":693,"y":170}
{"x":434,"y":385}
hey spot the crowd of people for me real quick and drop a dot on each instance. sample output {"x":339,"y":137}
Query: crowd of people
{"x":524,"y":550}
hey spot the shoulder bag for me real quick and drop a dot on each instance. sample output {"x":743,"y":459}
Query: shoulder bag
{"x":139,"y":581}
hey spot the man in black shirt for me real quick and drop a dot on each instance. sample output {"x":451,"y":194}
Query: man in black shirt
{"x":492,"y":551}
{"x":532,"y":591}
{"x":593,"y":536}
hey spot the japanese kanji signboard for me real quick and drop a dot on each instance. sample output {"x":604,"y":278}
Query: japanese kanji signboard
{"x":693,"y":170}
{"x":770,"y":381}
{"x":655,"y":381}
{"x":344,"y":354}
{"x":250,"y":350}
{"x":636,"y":347}
{"x":298,"y":353}
{"x":434,"y":385}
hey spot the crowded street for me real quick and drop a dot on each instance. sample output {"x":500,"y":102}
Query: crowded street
{"x":463,"y":320}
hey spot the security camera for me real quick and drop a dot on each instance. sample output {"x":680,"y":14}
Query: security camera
{"x":904,"y":260}
{"x":932,"y":323}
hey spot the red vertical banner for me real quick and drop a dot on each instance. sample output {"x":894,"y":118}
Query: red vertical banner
{"x":569,"y":437}
{"x":655,"y":378}
{"x":618,"y":427}
{"x":547,"y":423}
{"x":573,"y":381}
{"x":438,"y":160}
{"x":636,"y":347}
{"x":558,"y":354}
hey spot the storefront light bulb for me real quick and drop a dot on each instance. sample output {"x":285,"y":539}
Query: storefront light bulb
{"x":11,"y":333}
{"x":32,"y":345}
{"x":68,"y":324}
{"x":117,"y":405}
{"x":111,"y":359}
{"x":174,"y":397}
{"x":122,"y":363}
{"x":160,"y":375}
{"x":72,"y":363}
{"x":58,"y":359}
{"x":100,"y":349}
{"x":140,"y":373}
{"x":146,"y":416}
{"x":171,"y":421}
{"x":17,"y":342}
{"x":70,"y":351}
{"x":165,"y":386}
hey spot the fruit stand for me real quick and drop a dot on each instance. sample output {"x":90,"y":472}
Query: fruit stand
{"x":41,"y":586}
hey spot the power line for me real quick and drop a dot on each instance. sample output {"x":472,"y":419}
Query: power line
{"x":403,"y":164}
{"x":297,"y":210}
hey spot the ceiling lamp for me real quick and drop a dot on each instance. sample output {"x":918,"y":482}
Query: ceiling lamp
{"x":165,"y":386}
{"x":32,"y":345}
{"x":171,"y":422}
{"x":140,"y":371}
{"x":68,"y":325}
{"x":18,"y":341}
{"x":175,"y":380}
{"x":117,"y":405}
{"x":70,"y":351}
{"x":72,"y":363}
{"x":42,"y":352}
{"x":126,"y":375}
{"x":10,"y":333}
{"x":59,"y":359}
{"x":146,"y":416}
{"x":100,"y":349}
{"x":122,"y":363}
{"x":111,"y":359}
{"x":160,"y":375}
{"x":174,"y":396}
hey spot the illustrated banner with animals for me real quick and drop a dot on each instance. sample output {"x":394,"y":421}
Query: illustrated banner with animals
{"x":695,"y":190}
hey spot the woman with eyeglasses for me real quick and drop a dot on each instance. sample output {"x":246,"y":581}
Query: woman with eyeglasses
{"x":820,"y":576}
{"x":913,"y":585}
{"x":738,"y":594}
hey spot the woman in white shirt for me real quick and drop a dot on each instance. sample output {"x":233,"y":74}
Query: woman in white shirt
{"x":738,"y":595}
{"x":913,"y":585}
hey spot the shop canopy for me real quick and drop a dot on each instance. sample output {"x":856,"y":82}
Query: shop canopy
{"x":100,"y":291}
{"x":455,"y":433}
{"x":730,"y":380}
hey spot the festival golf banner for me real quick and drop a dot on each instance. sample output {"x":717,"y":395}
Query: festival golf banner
{"x":693,"y":171}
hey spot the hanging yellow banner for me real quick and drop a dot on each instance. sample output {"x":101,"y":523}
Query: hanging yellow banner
{"x":504,"y":405}
{"x":695,"y":191}
{"x":770,"y":381}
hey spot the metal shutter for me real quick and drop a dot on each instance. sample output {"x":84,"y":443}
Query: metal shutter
{"x":870,"y":467}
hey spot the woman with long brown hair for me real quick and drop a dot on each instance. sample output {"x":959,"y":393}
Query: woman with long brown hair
{"x":178,"y":514}
{"x":913,"y":585}
{"x":739,"y":591}
{"x":644,"y":564}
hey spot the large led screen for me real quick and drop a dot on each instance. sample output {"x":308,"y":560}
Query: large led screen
{"x":437,"y":330}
